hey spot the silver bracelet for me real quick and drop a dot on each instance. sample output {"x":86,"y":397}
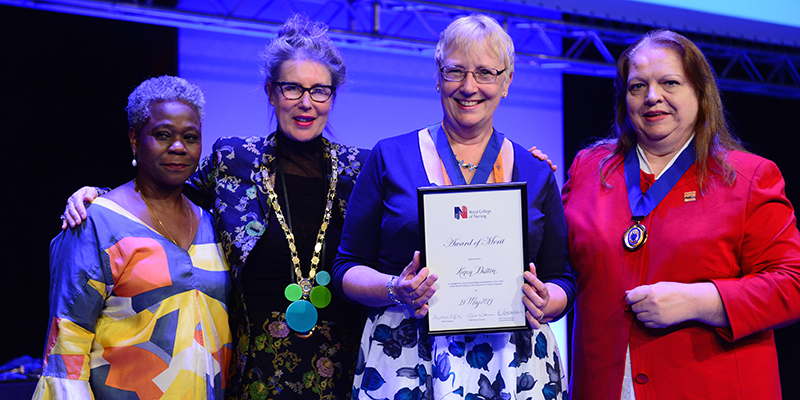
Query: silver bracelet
{"x":390,"y":288}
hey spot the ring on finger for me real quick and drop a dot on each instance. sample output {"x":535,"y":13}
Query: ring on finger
{"x":541,"y":317}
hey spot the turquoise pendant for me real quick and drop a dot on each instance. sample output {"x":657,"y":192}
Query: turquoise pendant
{"x":301,"y":316}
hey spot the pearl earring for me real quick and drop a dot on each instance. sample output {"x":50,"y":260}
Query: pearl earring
{"x":134,"y":162}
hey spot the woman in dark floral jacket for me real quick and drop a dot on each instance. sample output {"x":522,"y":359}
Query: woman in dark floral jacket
{"x":279,"y":205}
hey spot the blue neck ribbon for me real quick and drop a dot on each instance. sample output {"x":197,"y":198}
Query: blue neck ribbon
{"x":643,"y":203}
{"x":451,"y":163}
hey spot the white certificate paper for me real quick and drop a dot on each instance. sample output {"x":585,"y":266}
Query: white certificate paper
{"x":475,"y":240}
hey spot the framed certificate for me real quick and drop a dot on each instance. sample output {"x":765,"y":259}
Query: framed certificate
{"x":475,"y":239}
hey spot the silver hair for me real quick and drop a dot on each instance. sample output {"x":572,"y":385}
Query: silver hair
{"x":469,"y":34}
{"x":300,"y":38}
{"x":162,"y":88}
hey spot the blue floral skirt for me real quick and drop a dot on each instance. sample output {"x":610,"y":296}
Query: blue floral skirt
{"x":397,"y":360}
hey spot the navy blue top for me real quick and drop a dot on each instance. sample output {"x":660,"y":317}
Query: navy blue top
{"x":382,"y":228}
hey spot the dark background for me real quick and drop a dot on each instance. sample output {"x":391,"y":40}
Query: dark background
{"x":65,"y":84}
{"x":65,"y":87}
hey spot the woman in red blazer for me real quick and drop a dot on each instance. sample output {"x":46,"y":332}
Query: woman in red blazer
{"x":685,"y":245}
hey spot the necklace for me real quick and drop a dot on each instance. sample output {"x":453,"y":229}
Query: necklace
{"x":467,"y":166}
{"x":150,"y":208}
{"x":470,"y":167}
{"x":301,"y":315}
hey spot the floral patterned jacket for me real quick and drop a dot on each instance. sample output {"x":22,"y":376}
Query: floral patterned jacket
{"x":229,"y":181}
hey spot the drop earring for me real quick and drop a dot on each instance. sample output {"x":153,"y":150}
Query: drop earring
{"x":133,"y":162}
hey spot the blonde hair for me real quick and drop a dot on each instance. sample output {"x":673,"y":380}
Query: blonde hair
{"x":473,"y":34}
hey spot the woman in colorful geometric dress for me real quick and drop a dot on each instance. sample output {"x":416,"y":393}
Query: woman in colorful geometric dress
{"x":377,"y":264}
{"x":138,"y":292}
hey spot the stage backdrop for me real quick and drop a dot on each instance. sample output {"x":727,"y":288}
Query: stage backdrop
{"x":64,"y":125}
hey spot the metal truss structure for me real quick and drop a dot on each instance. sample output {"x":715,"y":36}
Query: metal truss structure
{"x":543,"y":38}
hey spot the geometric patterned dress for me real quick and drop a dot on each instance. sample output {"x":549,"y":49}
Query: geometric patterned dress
{"x":134,"y":316}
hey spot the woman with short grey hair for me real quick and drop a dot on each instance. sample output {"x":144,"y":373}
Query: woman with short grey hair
{"x":139,"y":291}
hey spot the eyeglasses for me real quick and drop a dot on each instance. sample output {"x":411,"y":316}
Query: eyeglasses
{"x":481,"y":75}
{"x":318,"y":93}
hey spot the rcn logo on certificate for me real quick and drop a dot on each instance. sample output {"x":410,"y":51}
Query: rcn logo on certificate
{"x":463,"y":213}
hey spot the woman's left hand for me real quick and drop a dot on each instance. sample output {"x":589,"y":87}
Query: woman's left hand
{"x":536,"y":298}
{"x":665,"y":304}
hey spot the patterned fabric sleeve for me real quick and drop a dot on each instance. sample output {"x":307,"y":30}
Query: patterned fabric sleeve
{"x":198,"y":187}
{"x":77,"y":293}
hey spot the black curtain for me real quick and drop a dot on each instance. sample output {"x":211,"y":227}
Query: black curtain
{"x":66,"y":79}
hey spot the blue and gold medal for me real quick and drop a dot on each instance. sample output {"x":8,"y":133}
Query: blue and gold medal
{"x":642,"y":204}
{"x":635,"y":236}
